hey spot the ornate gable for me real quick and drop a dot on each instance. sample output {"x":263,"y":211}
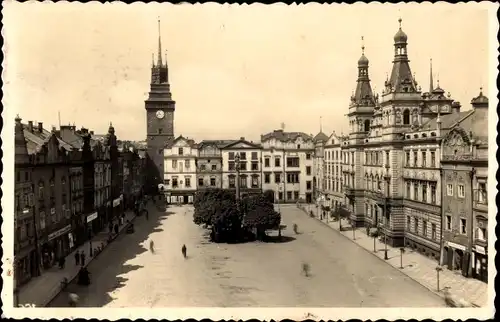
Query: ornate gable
{"x":457,"y":145}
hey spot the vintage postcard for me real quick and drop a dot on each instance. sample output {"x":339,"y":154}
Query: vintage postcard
{"x":249,"y":161}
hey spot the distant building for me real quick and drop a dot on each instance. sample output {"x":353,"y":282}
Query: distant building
{"x":332,"y":171}
{"x":287,"y":165}
{"x":180,"y":170}
{"x":250,"y":166}
{"x":209,"y":163}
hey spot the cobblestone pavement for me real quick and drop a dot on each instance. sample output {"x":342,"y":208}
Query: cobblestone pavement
{"x":41,"y":289}
{"x":420,"y":268}
{"x":241,"y":275}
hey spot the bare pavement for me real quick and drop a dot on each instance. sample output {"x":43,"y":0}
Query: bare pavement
{"x":240,"y":275}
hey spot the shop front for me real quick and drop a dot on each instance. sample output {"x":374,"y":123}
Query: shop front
{"x":57,"y":246}
{"x":92,"y":224}
{"x":480,"y":263}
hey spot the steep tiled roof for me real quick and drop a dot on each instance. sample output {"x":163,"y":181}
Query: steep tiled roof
{"x":321,"y":137}
{"x":35,"y":139}
{"x":282,"y":136}
{"x":447,"y":121}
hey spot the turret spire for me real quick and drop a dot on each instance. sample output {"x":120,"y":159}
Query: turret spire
{"x":431,"y":82}
{"x":362,"y":45}
{"x":159,"y":44}
{"x":320,"y":124}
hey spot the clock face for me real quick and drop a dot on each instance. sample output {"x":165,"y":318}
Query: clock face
{"x":160,"y":114}
{"x":446,"y":108}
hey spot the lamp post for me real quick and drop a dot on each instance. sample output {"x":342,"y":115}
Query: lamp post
{"x":353,"y":232}
{"x":374,"y":246}
{"x":438,"y":269}
{"x":237,"y":167}
{"x":386,"y":177}
{"x":402,"y":250}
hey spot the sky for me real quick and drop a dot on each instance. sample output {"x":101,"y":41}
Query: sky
{"x":235,"y":71}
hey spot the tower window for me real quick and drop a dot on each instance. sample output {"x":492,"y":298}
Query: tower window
{"x":367,"y":125}
{"x":406,"y":117}
{"x":160,"y":130}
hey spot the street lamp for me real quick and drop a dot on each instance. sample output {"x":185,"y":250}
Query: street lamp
{"x":237,"y":167}
{"x":402,"y":250}
{"x":386,"y":177}
{"x":438,"y":269}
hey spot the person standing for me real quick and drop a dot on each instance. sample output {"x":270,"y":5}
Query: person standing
{"x":116,"y":229}
{"x":82,"y":258}
{"x":77,"y":258}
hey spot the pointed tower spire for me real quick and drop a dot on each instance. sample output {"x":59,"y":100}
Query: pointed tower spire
{"x":320,"y":124}
{"x":431,"y":81}
{"x":159,"y":44}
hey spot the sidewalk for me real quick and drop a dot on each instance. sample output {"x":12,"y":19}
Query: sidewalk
{"x":418,"y":267}
{"x":40,"y":290}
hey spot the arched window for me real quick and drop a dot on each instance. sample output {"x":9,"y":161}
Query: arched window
{"x":406,"y":117}
{"x":367,"y":125}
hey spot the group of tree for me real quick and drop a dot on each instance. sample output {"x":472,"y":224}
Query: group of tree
{"x":232,"y":220}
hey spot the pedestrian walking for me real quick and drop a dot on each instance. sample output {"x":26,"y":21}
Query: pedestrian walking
{"x":77,"y":258}
{"x":152,"y":246}
{"x":295,"y":229}
{"x":82,"y":258}
{"x":62,"y":261}
{"x":110,"y":226}
{"x":116,"y":229}
{"x":305,"y":269}
{"x":147,"y":215}
{"x":184,"y":251}
{"x":122,"y":219}
{"x":73,"y":299}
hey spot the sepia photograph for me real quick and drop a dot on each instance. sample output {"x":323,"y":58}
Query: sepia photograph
{"x":224,"y":161}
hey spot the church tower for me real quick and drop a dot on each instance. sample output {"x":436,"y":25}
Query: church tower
{"x":362,"y":103}
{"x":160,"y":108}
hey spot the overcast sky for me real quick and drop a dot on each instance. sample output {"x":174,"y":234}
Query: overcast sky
{"x":234,"y":70}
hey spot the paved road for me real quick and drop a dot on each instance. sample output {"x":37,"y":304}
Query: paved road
{"x":252,"y":274}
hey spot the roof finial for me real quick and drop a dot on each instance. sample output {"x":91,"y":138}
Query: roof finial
{"x":481,"y":91}
{"x":438,"y":80}
{"x":159,"y":44}
{"x":363,"y":45}
{"x":431,"y":82}
{"x":153,"y":60}
{"x":320,"y":124}
{"x":400,"y":21}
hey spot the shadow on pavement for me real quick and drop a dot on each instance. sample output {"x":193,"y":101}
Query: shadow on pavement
{"x":278,"y":239}
{"x":108,"y":271}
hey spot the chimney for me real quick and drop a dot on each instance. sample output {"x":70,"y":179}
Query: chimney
{"x":242,"y":138}
{"x":30,"y":126}
{"x":53,"y":129}
{"x":455,"y":107}
{"x":40,"y":127}
{"x":91,"y":132}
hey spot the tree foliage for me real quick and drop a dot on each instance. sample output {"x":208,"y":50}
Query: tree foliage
{"x":269,"y":195}
{"x":260,"y":213}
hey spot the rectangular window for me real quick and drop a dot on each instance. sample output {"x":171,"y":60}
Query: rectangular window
{"x":289,"y":195}
{"x":267,"y":178}
{"x":424,"y":159}
{"x":231,"y":166}
{"x":231,"y":156}
{"x":296,"y":195}
{"x":408,"y":223}
{"x":461,"y":191}
{"x":463,"y":226}
{"x":174,"y":183}
{"x":448,"y":222}
{"x":424,"y":228}
{"x":433,"y":159}
{"x":187,"y":180}
{"x":277,"y":178}
{"x":387,"y":158}
{"x":433,"y":232}
{"x":181,"y":151}
{"x":232,"y":182}
{"x":449,"y":189}
{"x":255,"y":181}
{"x":416,"y":225}
{"x":200,"y":182}
{"x":255,"y":166}
{"x":280,"y":195}
{"x":308,"y":156}
{"x":266,"y":162}
{"x":415,"y":190}
{"x":308,"y":185}
{"x":243,"y":155}
{"x":243,"y":182}
{"x":482,"y":195}
{"x":292,"y":162}
{"x":277,"y":162}
{"x":187,"y":163}
{"x":243,"y":166}
{"x":424,"y":191}
{"x":407,"y":163}
{"x":433,"y":193}
{"x":415,"y":159}
{"x":481,"y":233}
{"x":254,"y":156}
{"x":212,"y":182}
{"x":174,"y":164}
{"x":202,"y":167}
{"x":292,"y":178}
{"x":308,"y":170}
{"x":408,"y":189}
{"x":214,"y":167}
